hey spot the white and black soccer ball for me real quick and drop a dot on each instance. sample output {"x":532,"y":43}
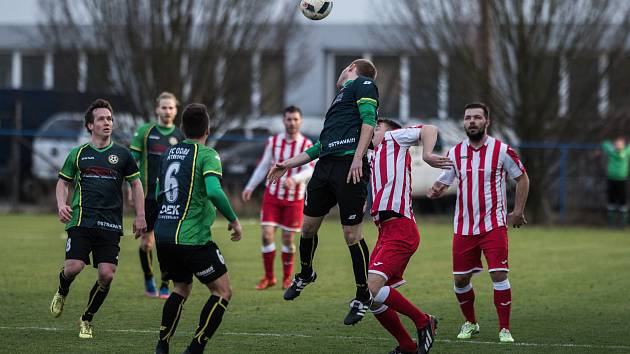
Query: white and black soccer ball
{"x":316,"y":9}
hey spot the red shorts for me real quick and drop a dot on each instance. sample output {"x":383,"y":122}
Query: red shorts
{"x":398,"y":240}
{"x":281,"y":213}
{"x":467,"y":252}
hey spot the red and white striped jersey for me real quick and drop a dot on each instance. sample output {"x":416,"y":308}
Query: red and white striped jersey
{"x":278,"y":149}
{"x":391,"y":172}
{"x":481,"y":203}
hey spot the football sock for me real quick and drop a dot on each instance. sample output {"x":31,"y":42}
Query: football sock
{"x":64,"y":283}
{"x":171,"y":313}
{"x":268,"y":256}
{"x":287,"y":262}
{"x":503,"y":302}
{"x":209,"y":321}
{"x":389,"y":319}
{"x":307,"y":252}
{"x":97,"y":297}
{"x":397,"y":302}
{"x":623,"y":215}
{"x":466,"y":299}
{"x":360,"y":255}
{"x":146,"y":261}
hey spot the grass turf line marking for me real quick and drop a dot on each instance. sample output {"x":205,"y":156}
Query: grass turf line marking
{"x":249,"y":334}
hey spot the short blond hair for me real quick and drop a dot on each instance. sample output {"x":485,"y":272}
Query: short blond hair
{"x":166,"y":96}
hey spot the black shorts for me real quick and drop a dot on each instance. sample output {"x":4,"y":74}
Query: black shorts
{"x":150,"y":213}
{"x":102,"y":244}
{"x":328,"y":187}
{"x":616,"y":192}
{"x":180,"y":262}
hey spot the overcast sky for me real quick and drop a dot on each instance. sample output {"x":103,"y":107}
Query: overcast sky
{"x":344,"y":11}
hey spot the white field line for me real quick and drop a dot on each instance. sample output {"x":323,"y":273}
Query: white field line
{"x":288,"y":335}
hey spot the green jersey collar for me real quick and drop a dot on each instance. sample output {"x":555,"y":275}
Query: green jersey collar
{"x":111,"y":143}
{"x":165,"y":130}
{"x":347,"y":83}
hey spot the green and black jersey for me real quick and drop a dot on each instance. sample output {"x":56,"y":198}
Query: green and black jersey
{"x":98,"y":175}
{"x":354,"y":105}
{"x":149,"y":142}
{"x":185,"y":210}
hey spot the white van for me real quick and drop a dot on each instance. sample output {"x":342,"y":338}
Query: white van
{"x":64,"y":130}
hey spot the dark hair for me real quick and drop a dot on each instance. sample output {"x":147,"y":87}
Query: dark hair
{"x":391,"y":123}
{"x":292,"y":109}
{"x":98,"y":103}
{"x":195,"y":120}
{"x":365,"y":68}
{"x":483,"y":106}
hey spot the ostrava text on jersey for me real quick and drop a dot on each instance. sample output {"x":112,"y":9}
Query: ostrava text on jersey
{"x":152,"y":141}
{"x":185,"y":212}
{"x":342,"y":126}
{"x":97,"y":201}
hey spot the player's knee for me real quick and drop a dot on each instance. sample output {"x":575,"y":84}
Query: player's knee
{"x":224,"y":292}
{"x":461,"y":281}
{"x":72,"y":268}
{"x":374,"y":287}
{"x":309,"y":230}
{"x":267,"y":239}
{"x":106,"y":277}
{"x":498,"y":277}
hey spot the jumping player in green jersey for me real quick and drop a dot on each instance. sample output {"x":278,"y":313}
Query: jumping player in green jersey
{"x":148,"y":144}
{"x":340,"y":177}
{"x":189,"y":192}
{"x":94,"y":219}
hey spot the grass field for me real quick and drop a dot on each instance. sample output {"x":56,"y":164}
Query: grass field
{"x":570,"y":295}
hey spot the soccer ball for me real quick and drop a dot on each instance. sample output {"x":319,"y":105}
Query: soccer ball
{"x":316,"y":9}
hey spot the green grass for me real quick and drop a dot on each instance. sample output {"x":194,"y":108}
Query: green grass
{"x":570,"y":287}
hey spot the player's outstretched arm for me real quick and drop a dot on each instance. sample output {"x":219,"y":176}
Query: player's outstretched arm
{"x":437,"y":190}
{"x":259,"y":173}
{"x":517,"y":216}
{"x":428,"y":136}
{"x":64,"y":211}
{"x":281,"y":168}
{"x":140,"y":223}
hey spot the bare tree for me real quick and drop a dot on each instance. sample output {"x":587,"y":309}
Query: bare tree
{"x":201,"y":50}
{"x":526,"y":59}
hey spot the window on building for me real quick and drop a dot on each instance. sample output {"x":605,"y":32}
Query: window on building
{"x":584,"y":81}
{"x":619,"y":86}
{"x":388,"y":82}
{"x":424,"y":73}
{"x":237,"y":88}
{"x":66,"y":70}
{"x":545,"y":87}
{"x":33,"y":71}
{"x":98,"y":73}
{"x":461,"y":87}
{"x":272,"y":80}
{"x":6,"y":66}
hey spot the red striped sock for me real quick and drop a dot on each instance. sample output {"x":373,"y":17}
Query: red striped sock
{"x":466,"y":301}
{"x":391,"y":322}
{"x":503,"y":303}
{"x":269,"y":255}
{"x":287,"y":264}
{"x":400,"y":304}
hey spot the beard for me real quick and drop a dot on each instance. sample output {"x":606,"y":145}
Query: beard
{"x":478,"y":135}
